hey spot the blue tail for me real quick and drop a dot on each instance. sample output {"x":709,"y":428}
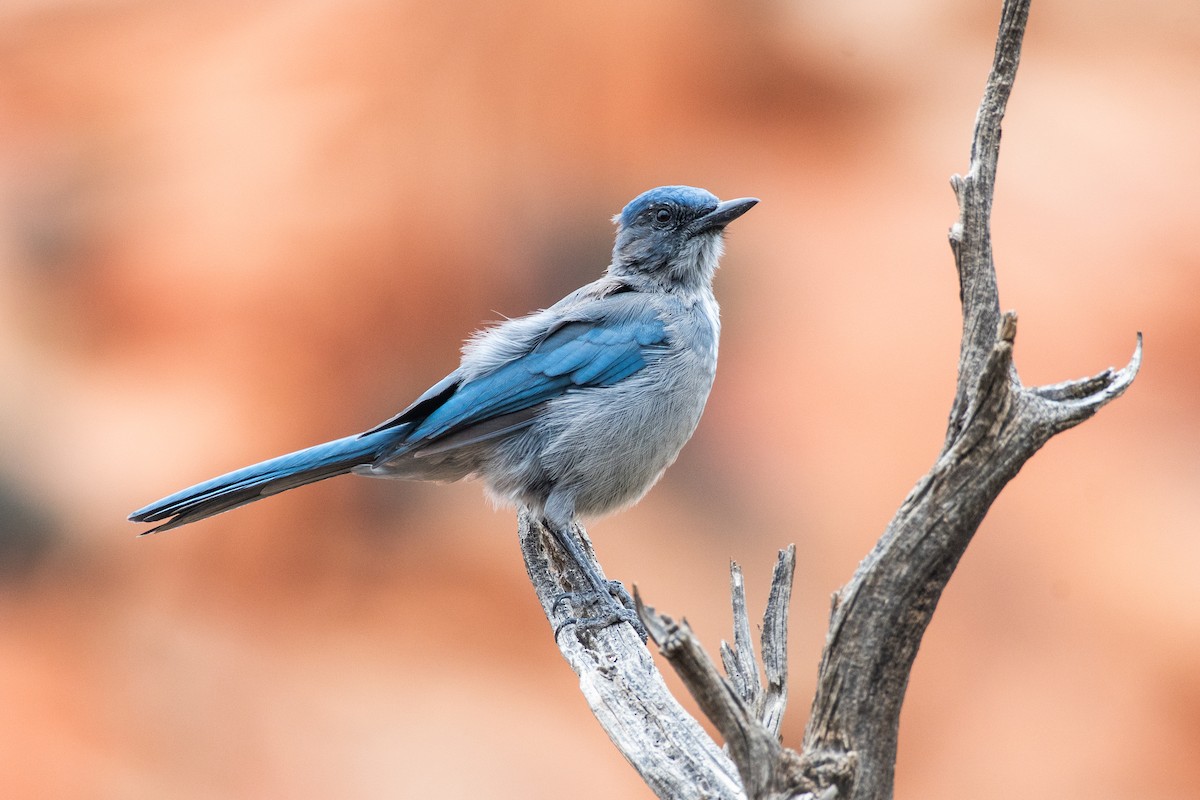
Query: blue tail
{"x":269,"y":477}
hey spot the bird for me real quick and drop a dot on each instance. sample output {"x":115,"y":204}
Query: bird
{"x":572,"y":411}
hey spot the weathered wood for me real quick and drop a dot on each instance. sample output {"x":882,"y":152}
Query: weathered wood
{"x":625,"y":691}
{"x":744,"y":711}
{"x":996,"y":424}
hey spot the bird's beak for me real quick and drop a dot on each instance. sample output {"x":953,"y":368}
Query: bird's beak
{"x":724,"y":214}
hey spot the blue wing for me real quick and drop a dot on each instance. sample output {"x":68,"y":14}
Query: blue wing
{"x":452,"y":413}
{"x":573,"y":355}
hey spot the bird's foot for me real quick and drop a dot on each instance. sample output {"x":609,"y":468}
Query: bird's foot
{"x":610,"y":607}
{"x":616,"y":590}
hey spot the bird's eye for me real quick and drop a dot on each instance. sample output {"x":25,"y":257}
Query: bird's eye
{"x":662,"y":216}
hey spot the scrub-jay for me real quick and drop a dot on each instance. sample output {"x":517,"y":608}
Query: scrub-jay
{"x":573,"y":410}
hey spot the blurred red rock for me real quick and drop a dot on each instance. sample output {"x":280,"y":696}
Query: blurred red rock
{"x":227,"y":231}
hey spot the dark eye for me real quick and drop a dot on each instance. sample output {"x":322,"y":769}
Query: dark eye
{"x":662,"y":216}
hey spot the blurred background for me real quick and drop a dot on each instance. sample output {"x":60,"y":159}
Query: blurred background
{"x":230,"y":230}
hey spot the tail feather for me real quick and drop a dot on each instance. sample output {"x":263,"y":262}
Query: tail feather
{"x":251,"y":483}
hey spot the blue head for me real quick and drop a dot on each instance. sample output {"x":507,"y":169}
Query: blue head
{"x":672,"y":235}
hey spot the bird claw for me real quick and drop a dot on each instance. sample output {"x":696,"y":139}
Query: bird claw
{"x":621,"y":595}
{"x":616,"y":590}
{"x":614,"y":606}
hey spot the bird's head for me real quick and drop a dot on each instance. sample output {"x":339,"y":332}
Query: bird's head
{"x":672,"y":236}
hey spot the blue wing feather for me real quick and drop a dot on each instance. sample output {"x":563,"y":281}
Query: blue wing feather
{"x":575,"y":355}
{"x":453,"y":413}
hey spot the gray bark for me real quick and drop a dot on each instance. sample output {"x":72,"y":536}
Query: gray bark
{"x":996,"y":424}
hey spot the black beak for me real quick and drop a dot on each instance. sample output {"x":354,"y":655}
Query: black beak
{"x":723,"y":214}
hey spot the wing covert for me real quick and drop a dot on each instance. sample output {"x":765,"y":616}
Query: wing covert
{"x":575,"y":355}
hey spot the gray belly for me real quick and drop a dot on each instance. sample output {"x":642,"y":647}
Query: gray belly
{"x":604,"y":446}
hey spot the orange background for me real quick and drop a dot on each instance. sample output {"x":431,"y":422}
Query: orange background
{"x":230,"y":230}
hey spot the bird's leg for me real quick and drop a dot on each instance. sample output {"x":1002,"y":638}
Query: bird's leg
{"x":615,"y":604}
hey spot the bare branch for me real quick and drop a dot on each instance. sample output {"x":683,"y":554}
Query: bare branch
{"x":774,"y":641}
{"x":754,"y":750}
{"x":625,"y":691}
{"x":971,"y":237}
{"x":995,"y":426}
{"x":768,"y":770}
{"x":1071,"y":402}
{"x":767,"y":702}
{"x":738,"y":659}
